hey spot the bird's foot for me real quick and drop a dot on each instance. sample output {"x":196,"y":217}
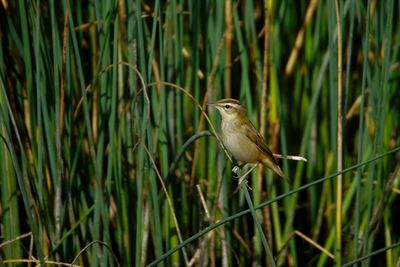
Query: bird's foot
{"x":236,"y":170}
{"x":242,"y":179}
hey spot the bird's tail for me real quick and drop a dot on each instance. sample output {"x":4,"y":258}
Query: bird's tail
{"x":275,"y":167}
{"x":279,"y":171}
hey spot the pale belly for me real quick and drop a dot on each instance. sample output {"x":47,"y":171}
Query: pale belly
{"x":242,"y":148}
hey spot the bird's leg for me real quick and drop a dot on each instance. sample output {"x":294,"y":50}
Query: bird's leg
{"x":236,"y":170}
{"x":243,"y":177}
{"x":237,"y":167}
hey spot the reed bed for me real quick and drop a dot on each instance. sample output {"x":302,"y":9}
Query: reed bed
{"x":108,"y":155}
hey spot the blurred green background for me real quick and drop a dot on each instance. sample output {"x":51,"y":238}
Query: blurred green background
{"x":106,"y":153}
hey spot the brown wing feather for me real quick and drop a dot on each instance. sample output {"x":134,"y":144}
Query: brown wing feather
{"x":255,"y":137}
{"x":271,"y":161}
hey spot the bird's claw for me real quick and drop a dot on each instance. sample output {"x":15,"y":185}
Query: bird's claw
{"x":235,"y":170}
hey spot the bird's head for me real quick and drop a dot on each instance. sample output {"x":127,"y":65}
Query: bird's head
{"x":229,"y":108}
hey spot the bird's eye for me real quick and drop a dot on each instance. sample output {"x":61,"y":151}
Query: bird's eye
{"x":227,"y":106}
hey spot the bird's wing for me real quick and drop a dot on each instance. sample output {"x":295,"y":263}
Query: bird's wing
{"x":270,"y":161}
{"x":256,"y":138}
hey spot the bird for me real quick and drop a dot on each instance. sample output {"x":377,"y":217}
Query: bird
{"x":241,"y":138}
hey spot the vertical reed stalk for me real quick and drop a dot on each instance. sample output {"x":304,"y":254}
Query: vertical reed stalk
{"x":339,"y":182}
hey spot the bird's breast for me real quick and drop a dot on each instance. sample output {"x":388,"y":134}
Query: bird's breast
{"x":238,"y":144}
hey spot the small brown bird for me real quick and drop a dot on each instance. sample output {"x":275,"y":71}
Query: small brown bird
{"x":241,"y":138}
